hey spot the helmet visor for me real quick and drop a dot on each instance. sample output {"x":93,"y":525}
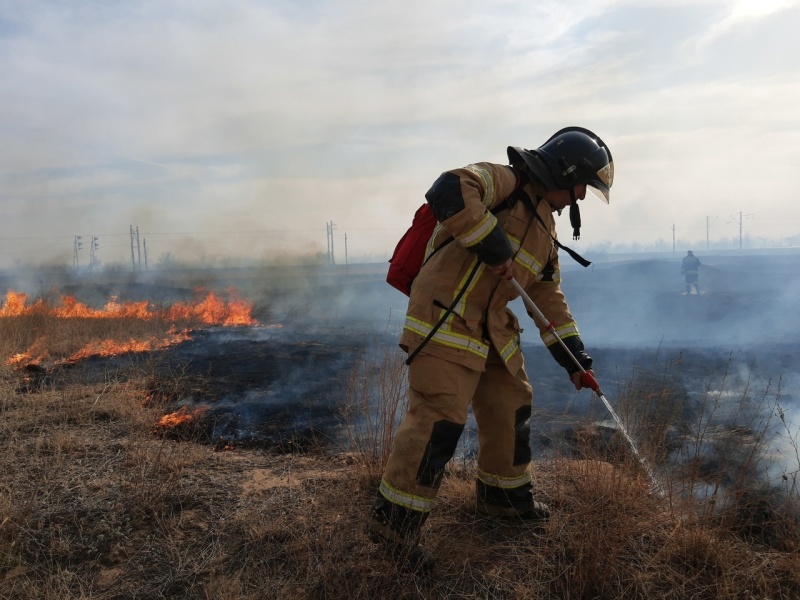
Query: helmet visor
{"x":600,"y":187}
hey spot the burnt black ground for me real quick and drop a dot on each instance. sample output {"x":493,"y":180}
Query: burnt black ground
{"x":274,"y":388}
{"x":271,"y":386}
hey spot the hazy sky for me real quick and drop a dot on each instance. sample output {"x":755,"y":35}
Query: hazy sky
{"x":244,"y":127}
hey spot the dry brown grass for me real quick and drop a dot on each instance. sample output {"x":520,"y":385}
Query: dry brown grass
{"x":95,"y":504}
{"x":62,"y":338}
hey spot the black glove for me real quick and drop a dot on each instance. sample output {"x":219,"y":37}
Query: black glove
{"x":575,"y":346}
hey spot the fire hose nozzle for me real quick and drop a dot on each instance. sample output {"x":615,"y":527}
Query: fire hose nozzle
{"x":588,"y":380}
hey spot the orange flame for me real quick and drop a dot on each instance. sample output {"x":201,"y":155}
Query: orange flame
{"x":212,"y":310}
{"x":15,"y":305}
{"x":32,"y":356}
{"x":114,"y":348}
{"x":181,"y":416}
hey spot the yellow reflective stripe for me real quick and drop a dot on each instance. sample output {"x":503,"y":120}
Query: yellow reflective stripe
{"x":479,"y":232}
{"x":563,"y":331}
{"x":461,"y":306}
{"x":431,"y":247}
{"x":447,"y":338}
{"x":529,"y":262}
{"x":488,"y":184}
{"x":505,"y":483}
{"x":510,"y":348}
{"x":524,"y":258}
{"x":395,"y":496}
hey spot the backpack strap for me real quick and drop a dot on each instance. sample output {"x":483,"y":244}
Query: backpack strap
{"x":444,"y":316}
{"x":518,"y":195}
{"x":521,"y":196}
{"x":509,"y":202}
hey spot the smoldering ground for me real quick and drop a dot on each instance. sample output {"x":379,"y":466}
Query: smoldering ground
{"x":286,"y":378}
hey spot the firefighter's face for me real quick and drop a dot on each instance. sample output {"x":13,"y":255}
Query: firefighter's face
{"x":559,"y":199}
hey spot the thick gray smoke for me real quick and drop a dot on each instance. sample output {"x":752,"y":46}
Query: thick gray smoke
{"x":745,"y":300}
{"x":740,"y":335}
{"x":738,"y":339}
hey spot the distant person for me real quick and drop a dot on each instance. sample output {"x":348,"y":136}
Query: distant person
{"x":473,"y":357}
{"x":690,"y":269}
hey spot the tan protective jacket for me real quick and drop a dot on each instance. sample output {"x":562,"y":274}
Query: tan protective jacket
{"x":481,"y":317}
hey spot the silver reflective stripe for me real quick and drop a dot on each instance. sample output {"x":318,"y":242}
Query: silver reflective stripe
{"x":505,"y":483}
{"x":563,"y":331}
{"x":488,"y":184}
{"x":447,"y":338}
{"x":417,"y":503}
{"x":523,"y":257}
{"x":479,"y":232}
{"x":510,"y":348}
{"x":529,"y":262}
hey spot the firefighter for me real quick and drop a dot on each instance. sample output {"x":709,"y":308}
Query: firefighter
{"x":690,"y":269}
{"x":474,"y":357}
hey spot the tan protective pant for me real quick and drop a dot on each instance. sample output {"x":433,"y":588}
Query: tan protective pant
{"x":440,"y":393}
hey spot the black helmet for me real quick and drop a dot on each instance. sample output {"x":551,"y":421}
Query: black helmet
{"x":571,"y":156}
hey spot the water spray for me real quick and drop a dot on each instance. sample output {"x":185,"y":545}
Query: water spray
{"x":588,"y":380}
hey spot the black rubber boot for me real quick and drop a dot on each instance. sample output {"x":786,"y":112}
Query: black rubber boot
{"x":538,"y":513}
{"x":416,"y":560}
{"x":397,"y":529}
{"x":410,"y":556}
{"x":516,"y":503}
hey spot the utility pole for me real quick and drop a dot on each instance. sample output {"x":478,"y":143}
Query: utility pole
{"x":741,"y":218}
{"x":740,"y":227}
{"x":78,"y":245}
{"x":740,"y":230}
{"x":133,"y":259}
{"x":328,"y":239}
{"x":345,"y":248}
{"x":94,"y":246}
{"x":331,"y":255}
{"x":138,"y":249}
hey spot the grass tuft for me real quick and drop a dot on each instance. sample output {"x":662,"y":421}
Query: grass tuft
{"x":97,"y":502}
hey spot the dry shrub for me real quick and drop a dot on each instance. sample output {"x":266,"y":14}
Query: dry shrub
{"x":375,"y":401}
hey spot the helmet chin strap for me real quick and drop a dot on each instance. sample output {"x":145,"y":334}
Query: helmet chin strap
{"x":574,"y":215}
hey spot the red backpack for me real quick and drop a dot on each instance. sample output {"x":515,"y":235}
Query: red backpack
{"x":409,"y":254}
{"x":410,"y":251}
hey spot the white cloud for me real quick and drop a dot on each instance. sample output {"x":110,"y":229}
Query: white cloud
{"x":347,"y":110}
{"x":743,"y":12}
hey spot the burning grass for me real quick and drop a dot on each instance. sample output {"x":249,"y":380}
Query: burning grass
{"x":97,"y":502}
{"x":42,"y":333}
